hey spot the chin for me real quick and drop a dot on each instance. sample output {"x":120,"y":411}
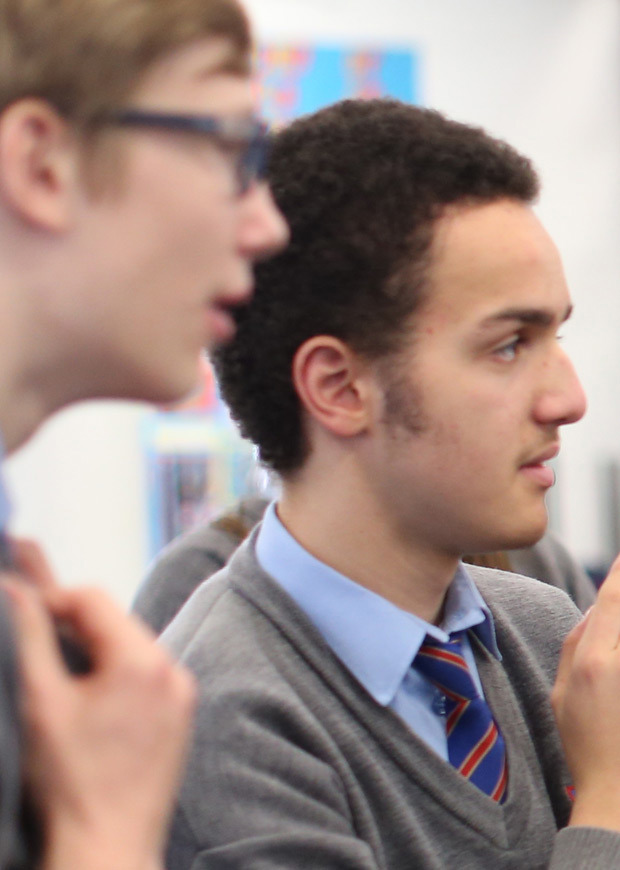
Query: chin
{"x":164,"y":390}
{"x":527,"y":526}
{"x":513,"y":538}
{"x":525,"y":537}
{"x":174,"y":394}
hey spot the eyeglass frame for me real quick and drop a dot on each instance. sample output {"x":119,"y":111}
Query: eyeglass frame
{"x":251,"y":133}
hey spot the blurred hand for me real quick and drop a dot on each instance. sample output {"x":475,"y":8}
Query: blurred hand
{"x":105,"y":750}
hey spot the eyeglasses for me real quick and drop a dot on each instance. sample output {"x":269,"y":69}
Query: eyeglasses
{"x":249,"y":135}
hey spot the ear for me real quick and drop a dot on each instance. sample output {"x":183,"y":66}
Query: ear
{"x":38,"y":164}
{"x":333,"y":384}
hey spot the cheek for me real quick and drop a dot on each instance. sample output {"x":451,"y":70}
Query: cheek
{"x":195,"y":245}
{"x":473,"y":442}
{"x":201,"y":215}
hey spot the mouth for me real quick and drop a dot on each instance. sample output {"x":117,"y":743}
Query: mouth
{"x":232,"y":299}
{"x":221,"y":326}
{"x":536,"y":469}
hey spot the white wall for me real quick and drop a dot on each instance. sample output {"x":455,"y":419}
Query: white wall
{"x":79,"y":488}
{"x":544,"y":74}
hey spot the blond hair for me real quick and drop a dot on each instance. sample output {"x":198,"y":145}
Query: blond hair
{"x":84,"y":57}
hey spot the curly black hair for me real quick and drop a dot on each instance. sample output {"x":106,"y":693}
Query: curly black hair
{"x":361,"y":184}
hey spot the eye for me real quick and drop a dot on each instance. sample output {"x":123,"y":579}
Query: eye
{"x":507,"y":352}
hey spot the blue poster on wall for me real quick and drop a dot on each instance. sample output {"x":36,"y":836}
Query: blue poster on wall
{"x":295,"y":80}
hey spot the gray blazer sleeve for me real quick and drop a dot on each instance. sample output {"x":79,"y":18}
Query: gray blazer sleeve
{"x":188,"y":560}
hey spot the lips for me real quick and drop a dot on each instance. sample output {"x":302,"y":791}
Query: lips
{"x":545,"y":455}
{"x":234,"y":299}
{"x":536,"y":470}
{"x":221,"y":322}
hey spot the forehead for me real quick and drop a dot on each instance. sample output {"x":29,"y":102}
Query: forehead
{"x":491,"y":257}
{"x":202,"y":76}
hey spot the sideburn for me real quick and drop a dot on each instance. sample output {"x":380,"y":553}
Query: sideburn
{"x":402,"y":406}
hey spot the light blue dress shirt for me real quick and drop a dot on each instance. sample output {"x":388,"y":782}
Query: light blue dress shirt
{"x":375,"y":639}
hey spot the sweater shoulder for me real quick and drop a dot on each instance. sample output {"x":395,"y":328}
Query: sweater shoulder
{"x":531,"y":618}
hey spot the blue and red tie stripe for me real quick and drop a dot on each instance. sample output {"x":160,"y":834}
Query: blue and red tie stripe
{"x":475,"y":746}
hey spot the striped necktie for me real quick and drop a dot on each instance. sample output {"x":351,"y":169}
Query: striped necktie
{"x":475,"y":745}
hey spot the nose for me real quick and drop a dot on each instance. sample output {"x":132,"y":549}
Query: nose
{"x":562,"y":399}
{"x":263,"y":229}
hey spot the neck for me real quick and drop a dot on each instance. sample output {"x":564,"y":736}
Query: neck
{"x":22,"y":411}
{"x":37,"y":375}
{"x":349,"y":533}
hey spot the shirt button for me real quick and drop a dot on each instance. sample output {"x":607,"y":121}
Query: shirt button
{"x":439,"y":704}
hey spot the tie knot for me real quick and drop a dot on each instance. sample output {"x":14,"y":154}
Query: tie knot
{"x":453,"y":644}
{"x":445,"y":666}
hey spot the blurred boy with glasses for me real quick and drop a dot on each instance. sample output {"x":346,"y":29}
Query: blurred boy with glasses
{"x":123,"y":247}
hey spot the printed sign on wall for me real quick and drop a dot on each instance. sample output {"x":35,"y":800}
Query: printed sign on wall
{"x":295,"y":80}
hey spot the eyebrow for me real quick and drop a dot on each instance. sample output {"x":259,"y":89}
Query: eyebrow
{"x":530,"y":316}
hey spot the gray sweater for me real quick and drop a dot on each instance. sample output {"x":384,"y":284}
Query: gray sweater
{"x":294,"y":765}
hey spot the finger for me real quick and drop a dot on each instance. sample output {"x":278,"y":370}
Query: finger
{"x":119,"y":644}
{"x":603,"y":626}
{"x":31,"y":561}
{"x":73,"y":653}
{"x":571,"y":642}
{"x":108,"y":633}
{"x":37,"y":649}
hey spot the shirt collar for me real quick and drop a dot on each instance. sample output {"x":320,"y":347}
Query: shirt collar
{"x":374,"y":638}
